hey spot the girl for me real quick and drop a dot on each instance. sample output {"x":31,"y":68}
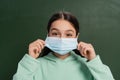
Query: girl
{"x":62,"y":57}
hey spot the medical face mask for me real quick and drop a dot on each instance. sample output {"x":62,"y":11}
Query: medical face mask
{"x":61,"y":46}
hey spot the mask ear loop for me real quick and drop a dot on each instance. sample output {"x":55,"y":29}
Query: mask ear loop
{"x":45,"y":51}
{"x":77,"y":51}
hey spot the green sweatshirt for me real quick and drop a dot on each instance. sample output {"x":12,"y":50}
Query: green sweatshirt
{"x":73,"y":67}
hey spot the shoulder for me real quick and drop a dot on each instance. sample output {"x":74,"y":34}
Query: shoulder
{"x":78,"y":57}
{"x":41,"y":59}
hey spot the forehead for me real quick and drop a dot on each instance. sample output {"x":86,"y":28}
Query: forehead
{"x":62,"y":24}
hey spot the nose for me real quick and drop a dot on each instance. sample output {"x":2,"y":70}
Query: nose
{"x":62,"y":36}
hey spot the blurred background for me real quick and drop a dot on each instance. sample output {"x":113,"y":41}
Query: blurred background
{"x":23,"y":21}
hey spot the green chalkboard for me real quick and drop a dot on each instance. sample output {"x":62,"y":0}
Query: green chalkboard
{"x":23,"y":21}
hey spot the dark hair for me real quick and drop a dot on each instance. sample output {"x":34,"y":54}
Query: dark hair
{"x":61,"y":15}
{"x":66,"y":16}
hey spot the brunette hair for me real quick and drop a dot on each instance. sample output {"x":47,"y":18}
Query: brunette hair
{"x":66,"y":16}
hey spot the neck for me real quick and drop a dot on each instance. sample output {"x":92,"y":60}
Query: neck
{"x":61,"y":56}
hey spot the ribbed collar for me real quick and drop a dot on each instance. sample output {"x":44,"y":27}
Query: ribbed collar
{"x":52,"y":57}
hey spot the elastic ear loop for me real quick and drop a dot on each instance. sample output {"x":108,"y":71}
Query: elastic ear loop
{"x":78,"y":53}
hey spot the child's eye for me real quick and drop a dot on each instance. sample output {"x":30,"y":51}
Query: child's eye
{"x":54,"y":34}
{"x":69,"y":35}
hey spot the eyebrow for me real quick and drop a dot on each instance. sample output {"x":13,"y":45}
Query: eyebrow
{"x":54,"y":29}
{"x":70,"y":30}
{"x":58,"y":30}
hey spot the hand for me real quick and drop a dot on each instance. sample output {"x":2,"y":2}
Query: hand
{"x":86,"y":50}
{"x":36,"y":47}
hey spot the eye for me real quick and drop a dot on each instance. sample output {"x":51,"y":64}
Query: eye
{"x":69,"y":35}
{"x":54,"y":34}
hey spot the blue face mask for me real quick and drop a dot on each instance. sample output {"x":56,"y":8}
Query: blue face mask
{"x":61,"y":46}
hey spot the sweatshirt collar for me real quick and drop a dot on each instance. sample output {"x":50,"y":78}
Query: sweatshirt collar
{"x":52,"y":57}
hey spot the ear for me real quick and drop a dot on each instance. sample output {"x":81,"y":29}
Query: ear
{"x":77,"y":35}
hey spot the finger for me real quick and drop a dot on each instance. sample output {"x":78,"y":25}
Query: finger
{"x":85,"y":44}
{"x":82,"y":47}
{"x":39,"y":48}
{"x":78,"y":46}
{"x":82,"y":43}
{"x":42,"y":45}
{"x":36,"y":50}
{"x":42,"y":41}
{"x":87,"y":52}
{"x":33,"y":51}
{"x":83,"y":50}
{"x":38,"y":45}
{"x":90,"y":45}
{"x":36,"y":55}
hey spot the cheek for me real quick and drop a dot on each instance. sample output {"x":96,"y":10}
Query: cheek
{"x":75,"y":36}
